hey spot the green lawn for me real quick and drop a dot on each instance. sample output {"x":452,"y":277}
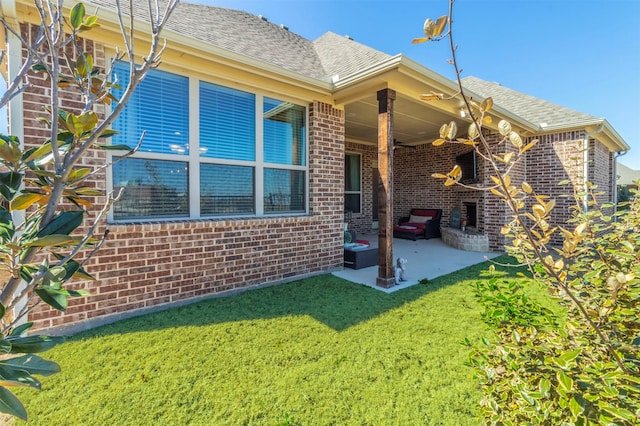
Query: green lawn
{"x":311,"y":352}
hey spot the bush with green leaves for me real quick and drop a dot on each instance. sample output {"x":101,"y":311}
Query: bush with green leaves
{"x":50,"y":211}
{"x":537,"y":368}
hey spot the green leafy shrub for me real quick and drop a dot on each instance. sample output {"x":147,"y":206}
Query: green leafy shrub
{"x":536,"y":368}
{"x":46,"y":198}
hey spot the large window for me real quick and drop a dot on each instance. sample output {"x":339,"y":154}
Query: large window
{"x":205,"y":154}
{"x":352,"y":183}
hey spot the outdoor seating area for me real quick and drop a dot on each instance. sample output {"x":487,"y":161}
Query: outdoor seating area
{"x":426,"y":259}
{"x":421,"y":223}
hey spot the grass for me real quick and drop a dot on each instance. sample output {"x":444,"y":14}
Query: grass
{"x":312,"y":352}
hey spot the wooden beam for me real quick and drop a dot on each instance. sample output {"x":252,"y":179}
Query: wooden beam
{"x":386,"y":272}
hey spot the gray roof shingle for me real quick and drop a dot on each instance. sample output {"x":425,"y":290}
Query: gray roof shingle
{"x":239,"y":32}
{"x":530,"y":108}
{"x":329,"y":55}
{"x":342,"y":56}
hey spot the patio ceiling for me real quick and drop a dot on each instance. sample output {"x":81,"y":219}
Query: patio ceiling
{"x":415,"y":122}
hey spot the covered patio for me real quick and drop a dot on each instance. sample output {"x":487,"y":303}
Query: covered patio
{"x":427,"y":259}
{"x":389,"y":162}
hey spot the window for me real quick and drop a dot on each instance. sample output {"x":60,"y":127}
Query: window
{"x":160,"y":107}
{"x":228,"y":164}
{"x":227,"y":123}
{"x":283,"y":191}
{"x":352,"y":183}
{"x":284,"y":146}
{"x":284,"y":133}
{"x":152,"y":188}
{"x":226,"y":190}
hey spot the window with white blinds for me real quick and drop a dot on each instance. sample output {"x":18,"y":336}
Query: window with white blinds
{"x":220,"y":161}
{"x":160,"y":107}
{"x":227,"y":123}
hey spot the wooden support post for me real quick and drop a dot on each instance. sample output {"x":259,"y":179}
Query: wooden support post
{"x":386,"y":272}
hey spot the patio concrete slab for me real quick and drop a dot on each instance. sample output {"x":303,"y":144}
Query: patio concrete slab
{"x":426,"y":259}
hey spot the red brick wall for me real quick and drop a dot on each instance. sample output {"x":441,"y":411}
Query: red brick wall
{"x":555,"y":158}
{"x":145,"y":265}
{"x":601,"y":170}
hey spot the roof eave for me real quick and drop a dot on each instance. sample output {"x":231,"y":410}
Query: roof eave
{"x":498,"y":110}
{"x":607,"y":135}
{"x":426,"y":78}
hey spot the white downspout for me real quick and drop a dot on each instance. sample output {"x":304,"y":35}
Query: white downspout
{"x":585,"y":165}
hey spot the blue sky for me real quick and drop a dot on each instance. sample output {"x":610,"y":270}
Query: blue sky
{"x":582,"y":54}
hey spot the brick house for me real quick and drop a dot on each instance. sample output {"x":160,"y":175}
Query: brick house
{"x":260,"y":141}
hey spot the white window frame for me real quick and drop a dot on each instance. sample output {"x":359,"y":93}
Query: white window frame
{"x":194,"y":160}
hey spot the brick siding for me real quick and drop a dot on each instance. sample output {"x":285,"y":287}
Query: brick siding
{"x":555,"y":158}
{"x":148,"y":265}
{"x":144,"y":266}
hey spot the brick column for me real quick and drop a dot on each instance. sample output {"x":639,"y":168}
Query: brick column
{"x":386,"y":275}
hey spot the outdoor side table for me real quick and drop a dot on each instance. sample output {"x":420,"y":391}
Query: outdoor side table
{"x":358,"y":259}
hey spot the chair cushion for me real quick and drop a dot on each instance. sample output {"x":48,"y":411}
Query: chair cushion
{"x":408,"y":227}
{"x":419,"y":219}
{"x":416,"y":225}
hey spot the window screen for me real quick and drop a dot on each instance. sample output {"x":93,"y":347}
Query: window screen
{"x":226,"y":190}
{"x":152,"y":188}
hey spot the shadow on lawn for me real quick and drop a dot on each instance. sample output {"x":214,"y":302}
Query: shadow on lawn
{"x":338,"y":303}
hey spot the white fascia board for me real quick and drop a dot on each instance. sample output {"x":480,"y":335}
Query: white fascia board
{"x":609,"y":136}
{"x":440,"y":79}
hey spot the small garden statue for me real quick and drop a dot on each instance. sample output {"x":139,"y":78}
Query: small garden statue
{"x":401,"y":269}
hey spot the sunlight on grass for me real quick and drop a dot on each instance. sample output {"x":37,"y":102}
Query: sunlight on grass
{"x":316,"y":351}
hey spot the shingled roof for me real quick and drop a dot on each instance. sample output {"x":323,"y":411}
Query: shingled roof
{"x":537,"y":111}
{"x":331,"y":54}
{"x":253,"y":36}
{"x":239,"y":32}
{"x":343,"y":56}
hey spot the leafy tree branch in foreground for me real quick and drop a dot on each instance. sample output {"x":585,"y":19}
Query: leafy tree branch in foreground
{"x":536,"y":367}
{"x":51,"y":209}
